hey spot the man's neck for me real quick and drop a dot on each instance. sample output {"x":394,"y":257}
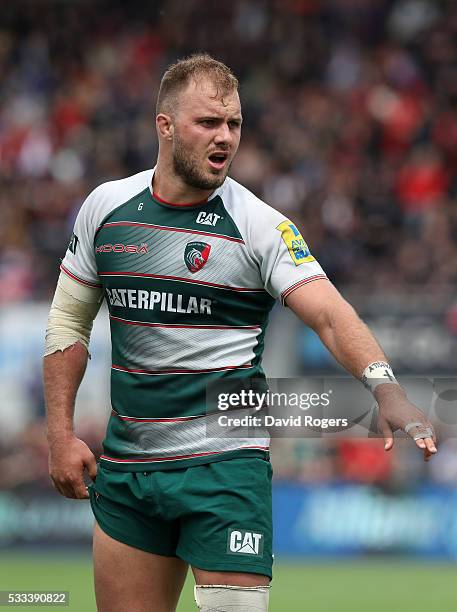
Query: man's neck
{"x":171,"y":188}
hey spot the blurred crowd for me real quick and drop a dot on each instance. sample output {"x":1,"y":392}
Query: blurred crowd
{"x":350,"y":128}
{"x":364,"y":462}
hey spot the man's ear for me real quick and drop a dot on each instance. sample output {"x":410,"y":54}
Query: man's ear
{"x":165,"y":127}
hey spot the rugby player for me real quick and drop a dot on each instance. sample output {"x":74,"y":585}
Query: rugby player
{"x":190,"y":264}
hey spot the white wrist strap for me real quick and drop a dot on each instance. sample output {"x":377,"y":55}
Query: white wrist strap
{"x":378,"y":373}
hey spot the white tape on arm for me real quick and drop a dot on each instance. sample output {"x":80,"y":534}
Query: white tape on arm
{"x":72,"y":313}
{"x":378,"y":373}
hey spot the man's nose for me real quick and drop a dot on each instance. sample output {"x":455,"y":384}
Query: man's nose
{"x":223,"y":134}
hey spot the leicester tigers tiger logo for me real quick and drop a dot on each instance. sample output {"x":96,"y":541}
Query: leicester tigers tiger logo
{"x":196,"y":255}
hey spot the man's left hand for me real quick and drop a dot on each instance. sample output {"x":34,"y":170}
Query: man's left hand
{"x":397,"y":412}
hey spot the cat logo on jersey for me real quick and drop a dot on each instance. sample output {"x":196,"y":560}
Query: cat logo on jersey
{"x":297,"y":247}
{"x":196,"y":255}
{"x":205,"y":218}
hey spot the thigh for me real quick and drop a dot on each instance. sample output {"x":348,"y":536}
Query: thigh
{"x":127,"y":578}
{"x":229,"y":526}
{"x":126,"y":510}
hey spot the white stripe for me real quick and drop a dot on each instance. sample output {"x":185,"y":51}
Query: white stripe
{"x":184,"y":280}
{"x":228,"y":262}
{"x":190,"y":372}
{"x":179,"y":326}
{"x":202,"y":435}
{"x":164,"y":460}
{"x":156,"y":348}
{"x":171,"y":419}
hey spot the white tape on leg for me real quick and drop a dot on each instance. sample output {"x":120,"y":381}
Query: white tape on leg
{"x":224,"y":598}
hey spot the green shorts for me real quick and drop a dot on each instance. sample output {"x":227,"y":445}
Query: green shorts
{"x":215,"y":516}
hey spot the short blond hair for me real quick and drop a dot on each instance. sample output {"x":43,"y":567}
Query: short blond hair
{"x":196,"y":66}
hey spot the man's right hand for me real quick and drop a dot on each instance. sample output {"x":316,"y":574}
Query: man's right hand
{"x":68,"y":458}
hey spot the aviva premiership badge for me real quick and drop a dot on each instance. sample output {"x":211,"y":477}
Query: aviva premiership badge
{"x":196,"y":255}
{"x":297,"y":247}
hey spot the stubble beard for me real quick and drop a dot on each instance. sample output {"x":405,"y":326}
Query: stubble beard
{"x":185,"y":165}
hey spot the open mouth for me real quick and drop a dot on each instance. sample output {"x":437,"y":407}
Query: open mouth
{"x":218,"y":160}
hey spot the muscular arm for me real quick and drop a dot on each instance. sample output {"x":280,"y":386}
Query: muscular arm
{"x":322,"y":308}
{"x":68,"y":456}
{"x":63,"y":372}
{"x":67,"y":338}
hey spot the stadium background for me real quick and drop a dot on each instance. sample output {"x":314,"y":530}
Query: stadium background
{"x":350,"y":111}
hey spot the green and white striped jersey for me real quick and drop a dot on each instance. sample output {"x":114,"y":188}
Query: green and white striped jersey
{"x":189,"y":290}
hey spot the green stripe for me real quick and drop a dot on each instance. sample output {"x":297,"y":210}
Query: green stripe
{"x":228,"y":307}
{"x":168,"y":395}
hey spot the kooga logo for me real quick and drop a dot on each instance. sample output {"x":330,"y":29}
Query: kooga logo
{"x":122,"y":248}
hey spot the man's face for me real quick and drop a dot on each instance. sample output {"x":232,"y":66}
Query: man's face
{"x":206,"y":135}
